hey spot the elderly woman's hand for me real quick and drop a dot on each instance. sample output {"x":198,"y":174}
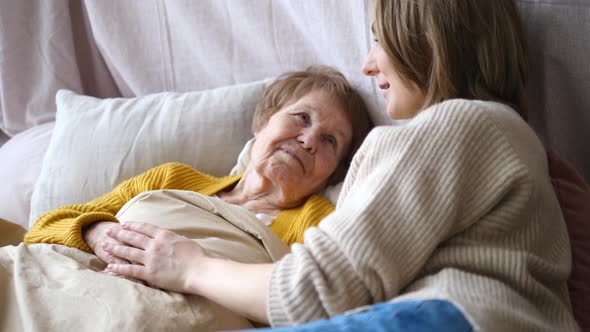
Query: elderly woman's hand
{"x":95,"y":234}
{"x":162,"y":258}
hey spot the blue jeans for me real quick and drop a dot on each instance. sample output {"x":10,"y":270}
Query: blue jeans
{"x":425,"y":315}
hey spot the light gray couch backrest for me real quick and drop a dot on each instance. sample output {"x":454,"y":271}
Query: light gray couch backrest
{"x":559,"y":81}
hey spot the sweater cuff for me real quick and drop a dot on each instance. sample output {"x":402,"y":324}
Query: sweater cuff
{"x":276,"y":311}
{"x":67,"y":231}
{"x":75,"y":238}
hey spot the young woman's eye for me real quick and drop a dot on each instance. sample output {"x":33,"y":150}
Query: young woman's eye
{"x":376,"y":41}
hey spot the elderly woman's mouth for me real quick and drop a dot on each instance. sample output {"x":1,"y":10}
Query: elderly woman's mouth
{"x":292,"y":153}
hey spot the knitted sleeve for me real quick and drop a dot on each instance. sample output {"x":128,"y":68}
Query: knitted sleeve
{"x":408,"y":190}
{"x":64,"y":225}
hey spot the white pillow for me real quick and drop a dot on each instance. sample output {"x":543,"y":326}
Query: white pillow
{"x":98,"y":143}
{"x":22,"y":157}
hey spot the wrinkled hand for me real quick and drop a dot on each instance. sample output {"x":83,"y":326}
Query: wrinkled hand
{"x":97,"y":234}
{"x":163,"y":258}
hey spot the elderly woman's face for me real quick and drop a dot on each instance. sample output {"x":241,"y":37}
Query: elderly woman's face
{"x":302,"y":144}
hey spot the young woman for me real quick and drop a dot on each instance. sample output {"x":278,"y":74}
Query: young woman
{"x":450,"y":220}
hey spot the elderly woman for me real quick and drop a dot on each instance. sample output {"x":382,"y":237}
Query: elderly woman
{"x":449,"y":220}
{"x":306,"y":128}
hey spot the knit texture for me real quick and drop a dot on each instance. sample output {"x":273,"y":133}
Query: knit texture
{"x":65,"y":225}
{"x":457,"y":205}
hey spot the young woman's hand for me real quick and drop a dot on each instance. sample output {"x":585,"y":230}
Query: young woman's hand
{"x":161,"y":258}
{"x":166,"y":260}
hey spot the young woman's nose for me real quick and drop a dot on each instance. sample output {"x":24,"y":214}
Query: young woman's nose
{"x":370,"y":66}
{"x":309,"y":140}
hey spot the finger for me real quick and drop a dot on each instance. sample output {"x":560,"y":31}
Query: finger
{"x":116,"y":260}
{"x":123,"y":251}
{"x":135,"y":280}
{"x":114,"y":274}
{"x":140,"y":227}
{"x":131,"y":237}
{"x":152,"y":285}
{"x":128,"y":270}
{"x":108,"y":257}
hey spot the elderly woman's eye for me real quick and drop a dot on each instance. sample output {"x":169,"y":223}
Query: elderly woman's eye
{"x":330,"y":140}
{"x":304,"y":116}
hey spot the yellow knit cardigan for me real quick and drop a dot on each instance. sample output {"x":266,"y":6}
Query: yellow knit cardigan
{"x":65,"y":225}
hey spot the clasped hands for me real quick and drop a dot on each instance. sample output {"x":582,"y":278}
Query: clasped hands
{"x":144,"y":252}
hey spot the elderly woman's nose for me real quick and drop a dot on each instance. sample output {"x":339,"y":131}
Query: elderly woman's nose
{"x":308,"y":140}
{"x":370,"y":66}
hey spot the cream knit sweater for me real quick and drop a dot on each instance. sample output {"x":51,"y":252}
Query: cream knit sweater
{"x":458,"y":205}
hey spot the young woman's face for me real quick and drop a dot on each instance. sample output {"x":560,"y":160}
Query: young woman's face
{"x":302,"y":144}
{"x":403,"y":101}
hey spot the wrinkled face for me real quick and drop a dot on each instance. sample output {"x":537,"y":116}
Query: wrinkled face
{"x":302,"y":144}
{"x":403,"y":101}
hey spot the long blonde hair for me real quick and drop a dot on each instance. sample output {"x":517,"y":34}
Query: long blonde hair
{"x":472,"y":49}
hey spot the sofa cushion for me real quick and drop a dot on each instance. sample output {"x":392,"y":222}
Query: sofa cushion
{"x":573,"y":194}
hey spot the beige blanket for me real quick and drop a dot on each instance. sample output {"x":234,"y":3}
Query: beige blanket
{"x":55,"y":288}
